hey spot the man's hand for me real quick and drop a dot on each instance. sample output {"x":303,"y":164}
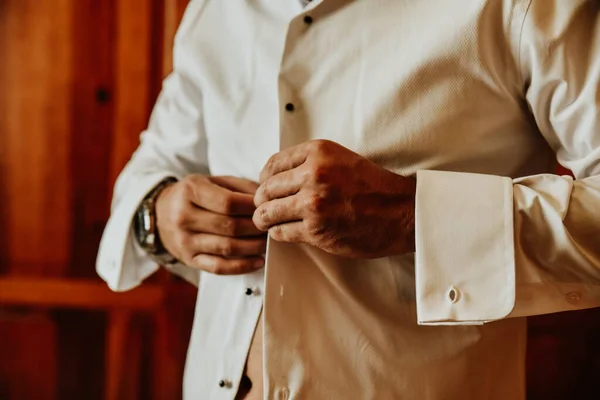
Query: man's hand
{"x":206,"y":223}
{"x":325,"y":195}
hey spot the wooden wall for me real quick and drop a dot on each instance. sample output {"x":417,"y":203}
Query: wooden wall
{"x":77,"y":82}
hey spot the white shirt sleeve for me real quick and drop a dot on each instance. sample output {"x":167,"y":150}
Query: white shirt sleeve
{"x":489,"y":247}
{"x":173,"y":145}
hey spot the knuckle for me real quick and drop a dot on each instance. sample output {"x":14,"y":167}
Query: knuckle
{"x":178,"y":215}
{"x":227,"y":248}
{"x":227,"y":205}
{"x":219,"y":269}
{"x":267,"y":189}
{"x":238,"y":266}
{"x":236,"y":227}
{"x":228,"y":267}
{"x":257,"y":221}
{"x":228,"y":226}
{"x":321,"y":145}
{"x":215,"y":267}
{"x":270,"y":165}
{"x":277,"y":234}
{"x":185,"y":242}
{"x":212,"y":269}
{"x":188,"y":259}
{"x":315,"y":203}
{"x":195,"y":179}
{"x":261,"y":217}
{"x":319,"y":174}
{"x":331,"y":194}
{"x":186,"y":188}
{"x":315,"y":227}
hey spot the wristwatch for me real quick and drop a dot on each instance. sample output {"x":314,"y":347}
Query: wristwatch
{"x":145,"y":228}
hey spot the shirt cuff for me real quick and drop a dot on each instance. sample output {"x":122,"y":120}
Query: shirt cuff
{"x":464,"y":266}
{"x":121,"y":263}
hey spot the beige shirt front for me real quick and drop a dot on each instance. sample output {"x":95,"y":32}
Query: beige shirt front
{"x":476,"y":98}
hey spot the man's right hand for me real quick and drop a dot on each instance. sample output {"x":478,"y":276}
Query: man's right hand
{"x":206,"y":223}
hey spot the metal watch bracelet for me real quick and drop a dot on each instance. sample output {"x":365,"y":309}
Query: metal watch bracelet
{"x":146,"y":229}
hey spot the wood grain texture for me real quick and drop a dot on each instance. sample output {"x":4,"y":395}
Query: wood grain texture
{"x":35,"y":105}
{"x":77,"y":294}
{"x":77,"y":80}
{"x":123,"y":357}
{"x":134,"y":72}
{"x":172,"y":330}
{"x":91,"y":116}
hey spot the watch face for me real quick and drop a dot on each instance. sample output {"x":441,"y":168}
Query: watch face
{"x":151,"y":240}
{"x":141,"y":227}
{"x":147,"y":218}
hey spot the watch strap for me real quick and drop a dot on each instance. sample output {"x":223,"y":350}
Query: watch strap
{"x":146,"y":229}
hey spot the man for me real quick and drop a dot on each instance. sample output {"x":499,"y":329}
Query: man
{"x":400,"y":155}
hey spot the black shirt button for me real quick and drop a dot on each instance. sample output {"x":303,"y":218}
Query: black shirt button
{"x":308,"y":19}
{"x":249,"y":291}
{"x":289,"y":107}
{"x":221,"y":383}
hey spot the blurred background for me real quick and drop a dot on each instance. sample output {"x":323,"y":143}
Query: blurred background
{"x":77,"y":82}
{"x":78,"y":79}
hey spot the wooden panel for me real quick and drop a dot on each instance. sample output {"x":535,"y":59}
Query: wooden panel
{"x":77,"y":79}
{"x":173,"y":12}
{"x":27,"y":363}
{"x":35,"y":105}
{"x":78,"y":294}
{"x":135,"y":70}
{"x":123,"y":357}
{"x":172,"y":330}
{"x":91,"y":114}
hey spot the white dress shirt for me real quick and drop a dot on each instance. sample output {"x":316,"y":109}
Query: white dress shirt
{"x":475,"y":98}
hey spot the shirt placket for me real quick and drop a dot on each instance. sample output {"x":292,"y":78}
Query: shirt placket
{"x":293,"y":130}
{"x":246,"y":308}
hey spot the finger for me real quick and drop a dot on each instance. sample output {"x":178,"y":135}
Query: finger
{"x":198,"y":220}
{"x":276,"y":212}
{"x":293,"y":232}
{"x":284,"y":184}
{"x":235,"y":184}
{"x":285,"y":160}
{"x":228,"y":247}
{"x":215,"y":198}
{"x":226,"y":266}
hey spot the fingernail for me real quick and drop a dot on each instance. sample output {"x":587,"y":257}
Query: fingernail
{"x":259,"y":264}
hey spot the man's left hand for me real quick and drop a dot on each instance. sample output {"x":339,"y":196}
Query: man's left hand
{"x":322,"y":194}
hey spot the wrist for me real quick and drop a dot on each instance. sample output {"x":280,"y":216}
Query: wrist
{"x":407,"y":189}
